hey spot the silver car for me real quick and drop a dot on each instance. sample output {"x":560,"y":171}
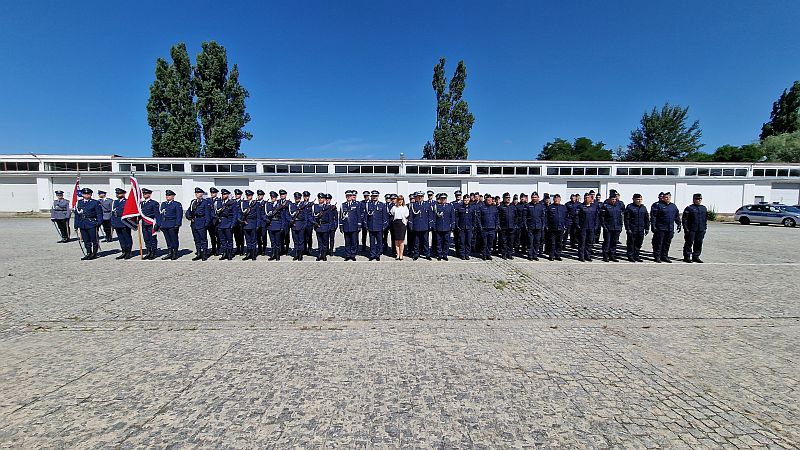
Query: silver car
{"x":787,"y":216}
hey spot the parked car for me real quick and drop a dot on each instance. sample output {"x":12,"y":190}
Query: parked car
{"x":787,"y":216}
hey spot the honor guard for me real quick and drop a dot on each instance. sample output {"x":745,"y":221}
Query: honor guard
{"x":213,"y":236}
{"x":664,"y":217}
{"x":238,"y":234}
{"x":429,"y":248}
{"x":388,"y":203}
{"x":276,"y":221}
{"x":322,"y":226}
{"x":200,"y":215}
{"x":420,"y":220}
{"x":444,"y":217}
{"x":507,"y":213}
{"x":488,"y":223}
{"x":557,"y":221}
{"x":60,"y":214}
{"x":588,"y":219}
{"x":465,"y":226}
{"x":226,"y":216}
{"x":248,"y":222}
{"x":695,"y":224}
{"x":149,"y":208}
{"x":364,"y":231}
{"x":169,"y":221}
{"x":376,"y":217}
{"x":611,"y":220}
{"x":535,"y":216}
{"x":299,"y":214}
{"x":334,"y":215}
{"x":458,"y":195}
{"x":309,"y":231}
{"x":123,"y":231}
{"x":261,"y":233}
{"x":107,"y":204}
{"x":88,"y":217}
{"x":637,"y":225}
{"x":286,"y":233}
{"x":351,"y":220}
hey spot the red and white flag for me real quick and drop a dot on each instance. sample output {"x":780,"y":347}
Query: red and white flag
{"x":133,"y":207}
{"x":76,"y":193}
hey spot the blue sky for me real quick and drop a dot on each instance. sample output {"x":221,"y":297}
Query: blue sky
{"x":353,"y":79}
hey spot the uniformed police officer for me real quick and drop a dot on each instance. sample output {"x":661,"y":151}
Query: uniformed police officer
{"x":695,"y":224}
{"x":420,"y":220}
{"x":322,"y":225}
{"x":249,"y":221}
{"x":169,"y":221}
{"x":309,"y":231}
{"x":200,"y":214}
{"x":535,"y":215}
{"x":238,"y":233}
{"x":376,"y":216}
{"x":364,"y":231}
{"x":351,"y":219}
{"x":334,"y":223}
{"x":611,"y":220}
{"x":637,"y":225}
{"x":557,"y":221}
{"x":429,"y":248}
{"x":507,"y":214}
{"x":261,"y":233}
{"x":521,"y":232}
{"x":299,"y":214}
{"x":107,"y":204}
{"x":88,"y":217}
{"x":465,"y":226}
{"x":149,"y":208}
{"x":444,"y":222}
{"x":488,"y":222}
{"x":388,"y":203}
{"x":123,"y":231}
{"x":60,"y":214}
{"x":213,"y":236}
{"x":588,"y":219}
{"x":663,"y":218}
{"x":226,"y":214}
{"x":276,"y":217}
{"x":456,"y":239}
{"x":572,"y":221}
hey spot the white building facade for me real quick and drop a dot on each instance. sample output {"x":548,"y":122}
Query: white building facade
{"x":28,"y":182}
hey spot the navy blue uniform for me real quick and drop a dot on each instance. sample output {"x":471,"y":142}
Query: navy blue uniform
{"x":200,"y":215}
{"x":249,"y":223}
{"x":420,"y":220}
{"x":507,"y":214}
{"x":377,"y":218}
{"x":637,"y":224}
{"x":521,"y":232}
{"x":351,"y":220}
{"x":226,"y":214}
{"x":488,"y":222}
{"x":276,"y":221}
{"x":663,"y":219}
{"x":557,"y":222}
{"x":150,"y":209}
{"x":588,"y":220}
{"x":123,"y":231}
{"x":444,"y":223}
{"x":572,"y":223}
{"x":88,"y":216}
{"x":299,"y":216}
{"x":213,"y":234}
{"x":466,"y":222}
{"x":535,"y":224}
{"x":325,"y":217}
{"x":695,"y":224}
{"x":611,"y":219}
{"x":169,"y":221}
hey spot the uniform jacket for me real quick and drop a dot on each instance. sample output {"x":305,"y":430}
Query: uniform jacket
{"x":444,"y":217}
{"x":466,"y":216}
{"x":664,"y":217}
{"x":150,"y":208}
{"x":88,"y":213}
{"x":611,"y":216}
{"x":572,"y":211}
{"x":249,"y":214}
{"x":695,"y":218}
{"x":200,"y":213}
{"x":377,"y":216}
{"x":351,"y":216}
{"x":326,"y":217}
{"x":276,"y":215}
{"x":170,"y":215}
{"x":108,"y":205}
{"x":535,"y":216}
{"x":507,"y":216}
{"x":588,"y":216}
{"x":118,"y":205}
{"x":557,"y":217}
{"x":299,"y":215}
{"x":637,"y":219}
{"x":60,"y":209}
{"x":420,"y":216}
{"x":488,"y":218}
{"x":226,"y":213}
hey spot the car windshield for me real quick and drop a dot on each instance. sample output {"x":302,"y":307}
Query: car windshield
{"x":790,"y":209}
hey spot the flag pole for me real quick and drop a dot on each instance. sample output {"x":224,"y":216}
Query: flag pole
{"x":138,"y":222}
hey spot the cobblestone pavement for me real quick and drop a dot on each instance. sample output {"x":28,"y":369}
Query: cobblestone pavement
{"x":458,"y":354}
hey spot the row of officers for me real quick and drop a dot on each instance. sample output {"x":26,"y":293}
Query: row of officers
{"x":247,"y":223}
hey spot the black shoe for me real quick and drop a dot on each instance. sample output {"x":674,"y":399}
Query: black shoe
{"x":445,"y":258}
{"x":378,"y":258}
{"x":204,"y":255}
{"x":467,"y":257}
{"x":581,"y":259}
{"x":278,"y":258}
{"x":428,"y":258}
{"x":697,"y":260}
{"x":415,"y":258}
{"x":85,"y":258}
{"x":197,"y":256}
{"x":319,"y":258}
{"x":489,"y":257}
{"x":657,"y":260}
{"x":224,"y":255}
{"x":255,"y":255}
{"x":667,"y":260}
{"x":687,"y":259}
{"x":127,"y":255}
{"x":167,"y":256}
{"x":247,"y":256}
{"x":558,"y":258}
{"x":639,"y":260}
{"x":121,"y":255}
{"x":510,"y":257}
{"x":174,"y":254}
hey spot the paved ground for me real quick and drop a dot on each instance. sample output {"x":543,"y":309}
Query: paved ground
{"x":424,"y":354}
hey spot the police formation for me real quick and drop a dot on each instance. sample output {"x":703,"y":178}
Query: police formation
{"x":250,"y":225}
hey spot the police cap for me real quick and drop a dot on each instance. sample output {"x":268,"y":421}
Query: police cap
{"x":100,"y":192}
{"x":273,"y":194}
{"x":441,"y":195}
{"x":237,"y":191}
{"x":168,"y":192}
{"x":198,"y":190}
{"x":320,"y":195}
{"x":146,"y":191}
{"x":297,"y":195}
{"x":667,"y":193}
{"x":86,"y":191}
{"x":375,"y":193}
{"x":506,"y":195}
{"x":328,"y":197}
{"x":260,"y":192}
{"x":635,"y":196}
{"x":59,"y":192}
{"x":213,"y":190}
{"x":457,"y":192}
{"x":365,"y":193}
{"x":306,"y":194}
{"x":282,"y":192}
{"x":534,"y":193}
{"x":430,"y":192}
{"x":119,"y":191}
{"x":223,"y":191}
{"x":696,"y":196}
{"x":248,"y":192}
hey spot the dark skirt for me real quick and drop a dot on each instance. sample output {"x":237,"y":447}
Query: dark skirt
{"x":398,"y":230}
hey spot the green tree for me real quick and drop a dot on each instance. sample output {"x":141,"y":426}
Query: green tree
{"x":171,"y":111}
{"x":663,"y":135}
{"x":220,"y":103}
{"x":785,"y":116}
{"x":582,"y":149}
{"x":732,"y":153}
{"x":453,"y":119}
{"x":783,"y":147}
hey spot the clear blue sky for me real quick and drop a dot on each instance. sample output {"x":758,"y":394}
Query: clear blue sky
{"x":353,"y":78}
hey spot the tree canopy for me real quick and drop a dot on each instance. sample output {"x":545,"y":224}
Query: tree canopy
{"x":453,"y":119}
{"x":663,"y":135}
{"x":582,"y":149}
{"x":785,"y":116}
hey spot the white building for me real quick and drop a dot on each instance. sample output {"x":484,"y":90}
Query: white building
{"x":28,"y":182}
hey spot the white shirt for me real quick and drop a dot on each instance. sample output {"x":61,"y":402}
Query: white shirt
{"x":400,"y":213}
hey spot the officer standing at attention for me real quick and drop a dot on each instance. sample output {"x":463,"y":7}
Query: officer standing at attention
{"x":169,"y":221}
{"x":277,"y":223}
{"x":588,"y":219}
{"x":88,"y":217}
{"x":547,"y":241}
{"x":298,"y":219}
{"x":445,"y":221}
{"x":521,"y":233}
{"x":364,"y":231}
{"x":572,"y":221}
{"x":238,"y":234}
{"x":322,"y":226}
{"x":199,"y":215}
{"x":488,"y":222}
{"x":60,"y":214}
{"x":107,"y":204}
{"x":351,"y":219}
{"x":611,"y":220}
{"x":213,"y":236}
{"x":388,"y":203}
{"x":226,"y":216}
{"x":261,"y":233}
{"x":309,"y":231}
{"x":535,"y":223}
{"x":695,"y":224}
{"x":465,"y":226}
{"x":377,"y":218}
{"x":598,"y":201}
{"x":663,"y":218}
{"x":457,"y":241}
{"x":123,"y":231}
{"x":507,"y":213}
{"x":149,"y":208}
{"x":420,"y":218}
{"x":333,"y":214}
{"x":249,"y":221}
{"x":557,"y":221}
{"x":637,"y":225}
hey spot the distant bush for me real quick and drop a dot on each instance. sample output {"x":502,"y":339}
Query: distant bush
{"x":711,"y":214}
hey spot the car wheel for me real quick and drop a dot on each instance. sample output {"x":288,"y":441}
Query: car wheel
{"x":789,"y":222}
{"x":744,"y":220}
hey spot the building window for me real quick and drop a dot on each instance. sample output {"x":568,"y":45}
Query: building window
{"x":66,"y":166}
{"x":715,"y":172}
{"x":19,"y":166}
{"x":365,"y":169}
